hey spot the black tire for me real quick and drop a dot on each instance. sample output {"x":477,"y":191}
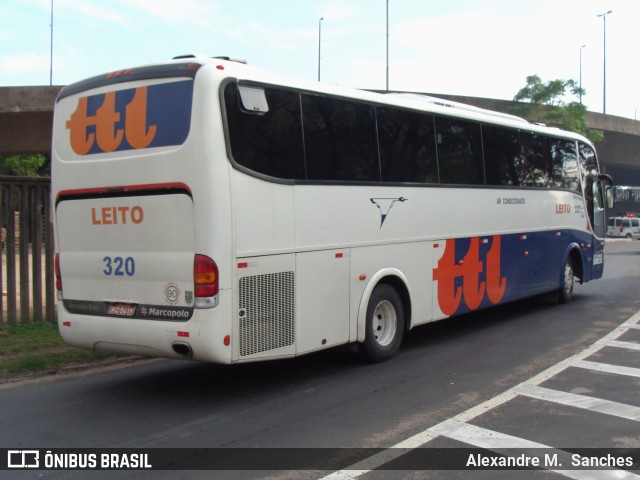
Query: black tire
{"x":567,"y":281}
{"x":384,"y":324}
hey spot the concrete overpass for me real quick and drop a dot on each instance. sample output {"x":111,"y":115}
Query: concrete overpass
{"x":26,"y":117}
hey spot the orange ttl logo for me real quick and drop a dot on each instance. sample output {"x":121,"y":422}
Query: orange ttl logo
{"x":107,"y":128}
{"x":469,"y":270}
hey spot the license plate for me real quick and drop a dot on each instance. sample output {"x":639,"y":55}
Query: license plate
{"x":122,"y":309}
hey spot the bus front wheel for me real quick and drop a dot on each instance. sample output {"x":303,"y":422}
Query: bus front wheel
{"x":384,"y":324}
{"x":566,"y":288}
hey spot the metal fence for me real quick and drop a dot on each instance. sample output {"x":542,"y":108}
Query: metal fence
{"x":27,"y":260}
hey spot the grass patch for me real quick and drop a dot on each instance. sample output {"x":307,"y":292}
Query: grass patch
{"x":37,"y":348}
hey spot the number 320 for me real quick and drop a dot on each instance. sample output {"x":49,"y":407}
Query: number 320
{"x":119,"y":266}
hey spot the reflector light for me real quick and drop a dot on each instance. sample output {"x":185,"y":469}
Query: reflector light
{"x":243,"y":265}
{"x":119,"y":73}
{"x":220,"y":67}
{"x":205,"y":276}
{"x":183,"y":334}
{"x":227,"y":340}
{"x":66,"y":324}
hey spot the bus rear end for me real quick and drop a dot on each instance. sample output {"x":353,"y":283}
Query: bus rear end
{"x":134,"y":272}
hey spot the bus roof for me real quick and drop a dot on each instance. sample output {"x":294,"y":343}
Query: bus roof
{"x":188,"y":65}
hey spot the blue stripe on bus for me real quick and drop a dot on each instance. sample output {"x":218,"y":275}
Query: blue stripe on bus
{"x":529,"y":264}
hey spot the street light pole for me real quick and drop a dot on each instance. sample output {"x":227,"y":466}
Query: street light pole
{"x":604,"y":60}
{"x":581,"y":73}
{"x":51,"y":49}
{"x":319,"y":43}
{"x":387,"y":45}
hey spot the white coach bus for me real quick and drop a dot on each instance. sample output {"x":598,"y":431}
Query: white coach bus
{"x":208,"y":210}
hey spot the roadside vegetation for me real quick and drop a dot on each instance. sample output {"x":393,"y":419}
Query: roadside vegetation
{"x":557,"y":103}
{"x":37,"y":349}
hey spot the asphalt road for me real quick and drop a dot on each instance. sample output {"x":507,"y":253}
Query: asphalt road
{"x":522,"y":374}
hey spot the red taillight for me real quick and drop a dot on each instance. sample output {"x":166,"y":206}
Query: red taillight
{"x":205,"y":276}
{"x":57,"y":271}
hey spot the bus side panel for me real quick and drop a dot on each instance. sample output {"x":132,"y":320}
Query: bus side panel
{"x":263,"y":214}
{"x":322,"y":299}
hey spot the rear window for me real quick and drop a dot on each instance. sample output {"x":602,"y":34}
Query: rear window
{"x":145,"y":116}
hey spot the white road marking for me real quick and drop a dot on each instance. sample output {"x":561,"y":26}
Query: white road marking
{"x":457,"y":428}
{"x":584,"y":402}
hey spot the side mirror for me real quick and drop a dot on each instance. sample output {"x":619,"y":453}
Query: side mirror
{"x":607,"y":182}
{"x":604,"y":178}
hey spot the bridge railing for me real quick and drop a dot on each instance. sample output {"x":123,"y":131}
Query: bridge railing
{"x":27,"y":253}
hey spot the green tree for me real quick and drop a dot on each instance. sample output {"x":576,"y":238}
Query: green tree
{"x":546,"y":103}
{"x":23,"y":165}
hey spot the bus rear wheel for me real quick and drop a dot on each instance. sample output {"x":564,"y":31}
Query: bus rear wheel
{"x":384,"y":324}
{"x":565,"y":294}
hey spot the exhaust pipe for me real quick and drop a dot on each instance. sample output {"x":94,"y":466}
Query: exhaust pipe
{"x":182,"y":348}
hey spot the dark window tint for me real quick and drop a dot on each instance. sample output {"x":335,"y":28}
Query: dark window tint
{"x":459,"y":152}
{"x":536,"y":162}
{"x":588,"y":162}
{"x":588,"y":167}
{"x":564,"y":164}
{"x":407,"y":146}
{"x":501,"y":155}
{"x":340,"y":140}
{"x":267,"y":142}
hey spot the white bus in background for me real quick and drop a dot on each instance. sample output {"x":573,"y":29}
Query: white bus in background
{"x":208,"y":210}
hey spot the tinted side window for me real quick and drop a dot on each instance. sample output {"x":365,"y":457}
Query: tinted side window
{"x":340,"y":140}
{"x":564,"y":164}
{"x":269,"y":143}
{"x":536,"y":161}
{"x":501,"y":155}
{"x":588,"y":162}
{"x":459,"y":152}
{"x":407,"y":146}
{"x":588,"y":165}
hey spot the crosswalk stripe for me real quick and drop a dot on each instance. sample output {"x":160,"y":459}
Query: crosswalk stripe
{"x":607,"y":368}
{"x":456,"y":428}
{"x":584,"y":402}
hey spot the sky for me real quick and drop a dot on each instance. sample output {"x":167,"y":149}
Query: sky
{"x":481,"y":48}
